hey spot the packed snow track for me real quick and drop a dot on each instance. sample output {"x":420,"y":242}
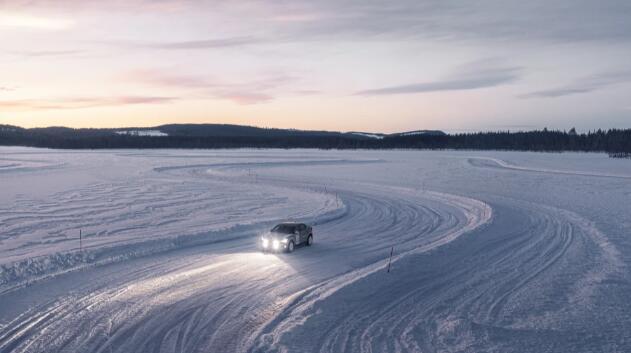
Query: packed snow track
{"x":493,"y":252}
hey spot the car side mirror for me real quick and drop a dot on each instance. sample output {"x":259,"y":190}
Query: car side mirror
{"x":296,"y":232}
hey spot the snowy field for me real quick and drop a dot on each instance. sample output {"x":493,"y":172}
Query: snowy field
{"x":493,"y":251}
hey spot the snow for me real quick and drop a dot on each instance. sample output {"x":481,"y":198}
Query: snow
{"x":493,"y":251}
{"x":142,"y":132}
{"x":156,"y":208}
{"x":364,"y":134}
{"x":418,"y":132}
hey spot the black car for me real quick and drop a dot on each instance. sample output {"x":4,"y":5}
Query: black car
{"x":286,"y":236}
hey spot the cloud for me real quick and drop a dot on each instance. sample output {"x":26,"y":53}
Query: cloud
{"x":45,"y":53}
{"x":133,"y":6}
{"x":307,"y":92}
{"x":248,"y":92}
{"x":81,"y":102}
{"x":168,"y":78}
{"x":583,"y":85}
{"x":245,"y":97}
{"x":213,"y":43}
{"x":497,"y":20}
{"x":476,"y":75}
{"x":533,"y":20}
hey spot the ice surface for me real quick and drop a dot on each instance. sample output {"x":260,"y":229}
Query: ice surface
{"x":493,"y":251}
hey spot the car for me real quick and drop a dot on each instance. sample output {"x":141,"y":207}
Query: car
{"x":286,"y":237}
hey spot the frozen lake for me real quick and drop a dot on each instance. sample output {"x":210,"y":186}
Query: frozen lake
{"x":493,"y":251}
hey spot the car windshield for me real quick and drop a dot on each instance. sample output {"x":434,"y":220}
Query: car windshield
{"x":284,"y":228}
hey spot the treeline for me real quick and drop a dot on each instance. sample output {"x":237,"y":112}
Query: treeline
{"x":616,"y":142}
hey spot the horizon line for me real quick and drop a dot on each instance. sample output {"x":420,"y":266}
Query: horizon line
{"x":447,"y":131}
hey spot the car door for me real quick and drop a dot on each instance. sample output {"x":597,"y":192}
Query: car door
{"x":302,"y":230}
{"x":296,"y":233}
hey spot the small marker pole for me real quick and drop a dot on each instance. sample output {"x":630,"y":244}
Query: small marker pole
{"x":80,"y":241}
{"x":390,"y":260}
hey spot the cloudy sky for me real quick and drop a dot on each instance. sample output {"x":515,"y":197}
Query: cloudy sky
{"x":366,"y":65}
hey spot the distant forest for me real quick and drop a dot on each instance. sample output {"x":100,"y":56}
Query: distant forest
{"x":616,"y":142}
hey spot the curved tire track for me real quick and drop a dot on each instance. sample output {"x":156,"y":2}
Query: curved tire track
{"x":220,"y":300}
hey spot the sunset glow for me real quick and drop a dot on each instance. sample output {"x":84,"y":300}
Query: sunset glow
{"x":26,"y":21}
{"x":363,"y":66}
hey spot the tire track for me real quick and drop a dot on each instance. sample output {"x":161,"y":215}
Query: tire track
{"x":221,"y":300}
{"x":470,"y":295}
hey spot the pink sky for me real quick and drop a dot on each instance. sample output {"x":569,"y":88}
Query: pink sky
{"x":336,"y":65}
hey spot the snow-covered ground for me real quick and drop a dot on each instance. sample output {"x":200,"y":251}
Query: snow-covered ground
{"x":365,"y":134}
{"x":493,"y":251}
{"x":142,"y":132}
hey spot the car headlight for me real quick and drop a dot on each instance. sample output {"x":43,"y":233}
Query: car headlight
{"x":265,"y":242}
{"x":275,"y":244}
{"x":284,"y":241}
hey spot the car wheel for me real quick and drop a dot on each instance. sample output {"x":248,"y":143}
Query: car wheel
{"x":290,"y":246}
{"x":310,"y":240}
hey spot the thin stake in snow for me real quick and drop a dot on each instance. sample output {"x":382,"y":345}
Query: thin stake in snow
{"x":80,"y":241}
{"x":390,"y":260}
